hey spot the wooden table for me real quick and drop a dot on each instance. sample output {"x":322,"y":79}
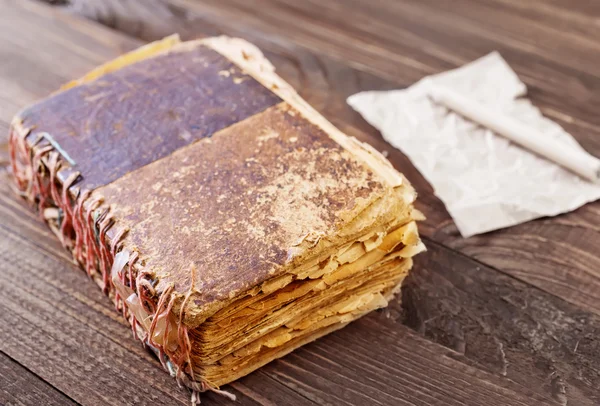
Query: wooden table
{"x":507,"y":318}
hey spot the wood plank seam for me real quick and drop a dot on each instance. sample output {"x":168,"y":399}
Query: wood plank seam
{"x":39,"y":377}
{"x":500,"y":319}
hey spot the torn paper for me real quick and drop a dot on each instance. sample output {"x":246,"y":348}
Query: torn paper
{"x":486,"y":182}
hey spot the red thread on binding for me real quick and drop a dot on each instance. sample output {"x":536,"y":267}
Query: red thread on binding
{"x":66,"y":227}
{"x":78,"y":232}
{"x":37,"y":189}
{"x":78,"y":219}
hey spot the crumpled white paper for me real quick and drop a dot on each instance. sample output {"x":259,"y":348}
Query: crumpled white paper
{"x":485,"y":181}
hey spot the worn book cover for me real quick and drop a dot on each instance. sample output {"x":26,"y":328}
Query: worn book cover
{"x":229,"y":222}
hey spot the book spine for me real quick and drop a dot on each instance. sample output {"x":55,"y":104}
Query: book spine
{"x":81,"y":220}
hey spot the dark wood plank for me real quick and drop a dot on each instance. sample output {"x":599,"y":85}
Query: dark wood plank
{"x":369,"y":362}
{"x":37,"y":53}
{"x":577,"y":17}
{"x":16,"y":215}
{"x":19,"y":387}
{"x":505,"y":325}
{"x":62,"y":331}
{"x":147,"y":19}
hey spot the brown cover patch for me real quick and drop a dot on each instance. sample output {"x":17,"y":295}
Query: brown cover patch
{"x":145,"y":111}
{"x":234,"y":206}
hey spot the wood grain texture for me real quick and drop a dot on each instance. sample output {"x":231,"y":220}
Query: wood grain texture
{"x":147,"y":20}
{"x":19,"y":387}
{"x":53,"y":320}
{"x":505,"y":325}
{"x":380,"y":363}
{"x":507,"y":342}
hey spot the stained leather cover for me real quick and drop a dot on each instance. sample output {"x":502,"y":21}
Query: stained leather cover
{"x":143,"y":112}
{"x":238,"y":205}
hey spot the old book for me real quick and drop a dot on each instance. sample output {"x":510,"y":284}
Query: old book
{"x":227,"y":219}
